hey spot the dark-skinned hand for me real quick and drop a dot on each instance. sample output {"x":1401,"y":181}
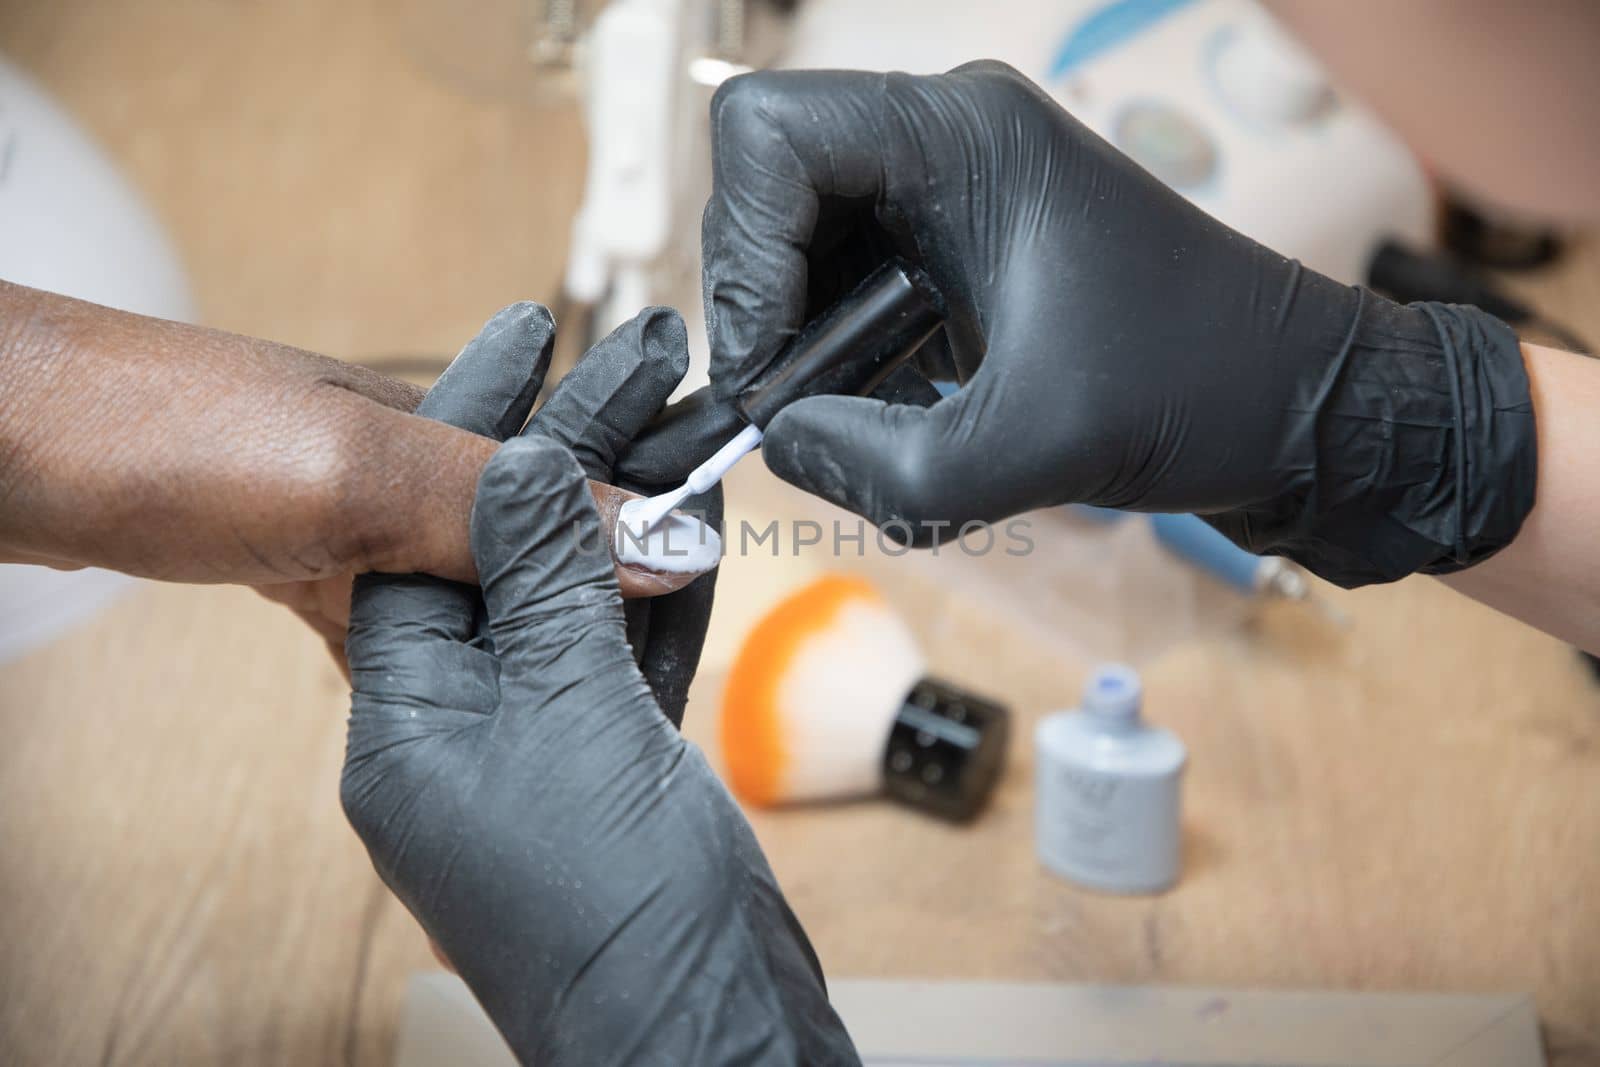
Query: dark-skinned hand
{"x":181,"y":453}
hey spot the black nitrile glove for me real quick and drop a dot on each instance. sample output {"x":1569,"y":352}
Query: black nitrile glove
{"x":514,"y":779}
{"x":608,"y":412}
{"x":1117,"y":345}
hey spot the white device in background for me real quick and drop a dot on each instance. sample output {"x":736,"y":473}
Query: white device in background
{"x":1211,"y":96}
{"x":69,"y":223}
{"x":633,"y":72}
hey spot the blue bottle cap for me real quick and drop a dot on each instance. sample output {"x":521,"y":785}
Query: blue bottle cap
{"x":1113,"y":694}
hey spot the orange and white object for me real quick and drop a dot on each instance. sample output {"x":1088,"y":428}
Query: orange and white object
{"x":828,"y":698}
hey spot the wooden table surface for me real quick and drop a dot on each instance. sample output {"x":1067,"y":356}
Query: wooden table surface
{"x":1412,"y":804}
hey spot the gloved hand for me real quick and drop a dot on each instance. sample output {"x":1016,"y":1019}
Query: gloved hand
{"x":608,"y":412}
{"x":521,"y":790}
{"x":1117,"y":345}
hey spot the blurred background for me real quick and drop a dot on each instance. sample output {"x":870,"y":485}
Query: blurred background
{"x":1393,"y":789}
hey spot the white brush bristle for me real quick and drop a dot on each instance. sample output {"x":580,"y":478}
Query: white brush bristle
{"x":839,"y":698}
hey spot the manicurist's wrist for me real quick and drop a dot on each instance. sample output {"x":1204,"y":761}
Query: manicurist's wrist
{"x":1421,"y":453}
{"x":1496,"y":458}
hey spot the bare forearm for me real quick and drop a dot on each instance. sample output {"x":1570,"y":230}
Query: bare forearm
{"x":179,"y":452}
{"x":176,"y":452}
{"x":1550,"y":575}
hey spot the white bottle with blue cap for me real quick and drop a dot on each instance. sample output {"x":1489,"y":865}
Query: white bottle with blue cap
{"x":1107,"y":790}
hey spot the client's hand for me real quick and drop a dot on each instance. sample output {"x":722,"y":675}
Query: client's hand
{"x":515,"y":775}
{"x":187,"y":454}
{"x":618,"y":387}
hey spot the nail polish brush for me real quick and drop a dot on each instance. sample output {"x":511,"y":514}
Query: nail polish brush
{"x":641,"y":516}
{"x":848,"y":349}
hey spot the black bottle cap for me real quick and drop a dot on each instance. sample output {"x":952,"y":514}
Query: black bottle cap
{"x":853,"y":346}
{"x":946,"y":750}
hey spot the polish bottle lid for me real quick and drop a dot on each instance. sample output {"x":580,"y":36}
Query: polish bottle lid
{"x":853,"y":346}
{"x":1113,"y":696}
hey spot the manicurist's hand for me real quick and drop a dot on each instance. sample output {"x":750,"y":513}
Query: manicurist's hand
{"x":1116,"y":345}
{"x":513,"y":766}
